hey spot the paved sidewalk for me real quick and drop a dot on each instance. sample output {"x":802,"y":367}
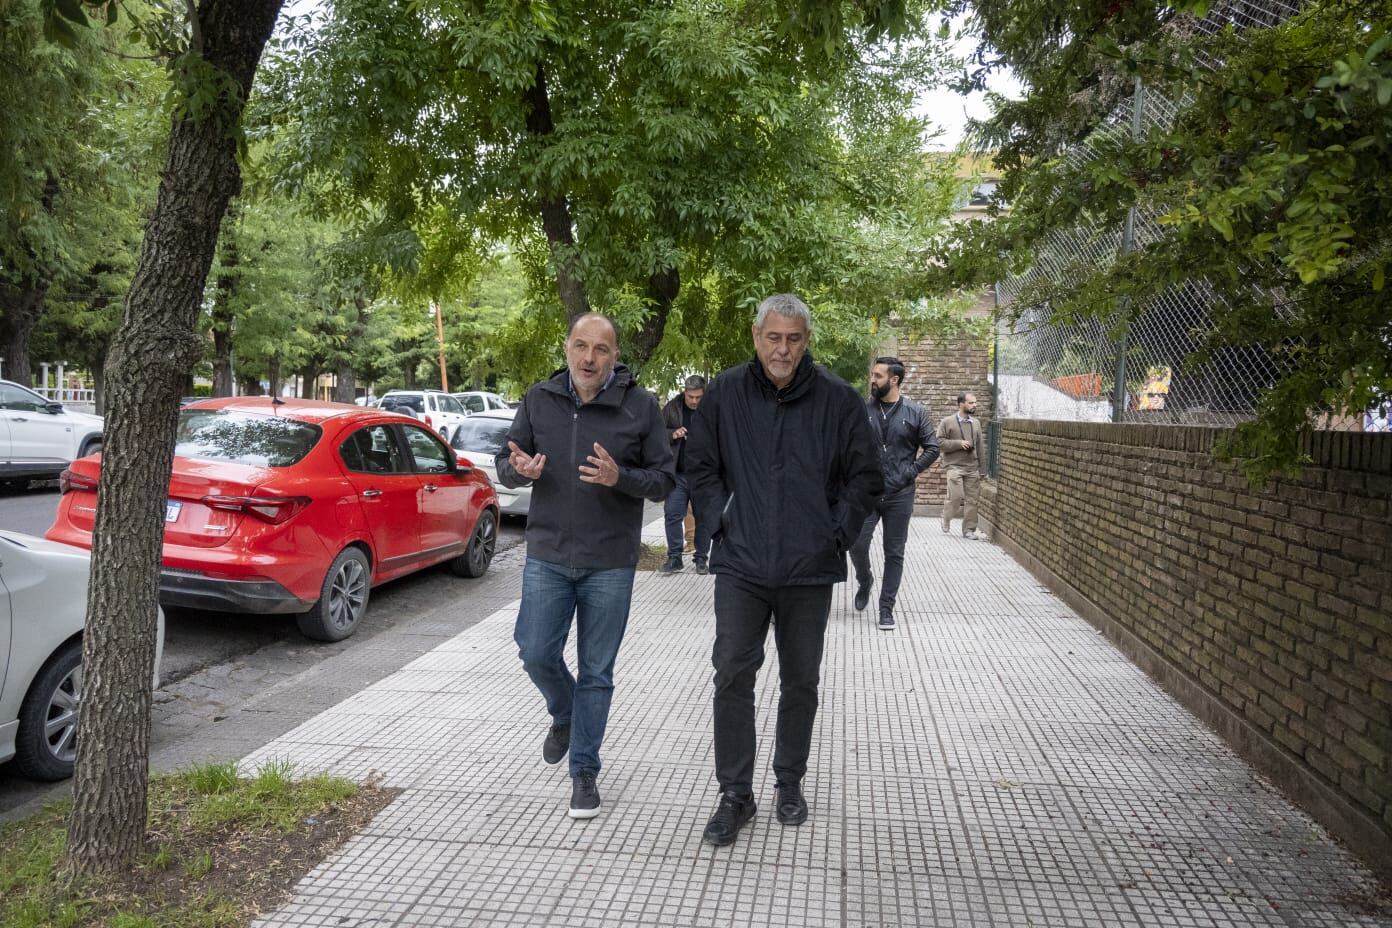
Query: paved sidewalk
{"x":991,"y":762}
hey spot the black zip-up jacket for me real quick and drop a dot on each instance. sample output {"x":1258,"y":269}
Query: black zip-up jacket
{"x":586,"y":525}
{"x":901,"y":433}
{"x":788,"y":475}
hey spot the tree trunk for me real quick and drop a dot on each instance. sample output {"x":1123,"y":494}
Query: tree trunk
{"x":555,"y":211}
{"x":22,"y":303}
{"x":99,"y":389}
{"x":273,"y":374}
{"x":663,"y":288}
{"x":228,"y":280}
{"x":345,"y":384}
{"x":309,"y":379}
{"x":154,"y":348}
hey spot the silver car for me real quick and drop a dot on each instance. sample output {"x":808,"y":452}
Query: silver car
{"x":43,"y":604}
{"x":478,"y":438}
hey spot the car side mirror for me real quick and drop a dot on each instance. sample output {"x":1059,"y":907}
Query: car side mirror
{"x":53,"y":409}
{"x":462,"y":466}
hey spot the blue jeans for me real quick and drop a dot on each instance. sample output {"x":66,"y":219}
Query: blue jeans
{"x":675,"y":513}
{"x":599,"y":600}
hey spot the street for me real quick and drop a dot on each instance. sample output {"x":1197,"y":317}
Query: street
{"x":225,"y":649}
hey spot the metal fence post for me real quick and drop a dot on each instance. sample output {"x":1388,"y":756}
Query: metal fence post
{"x":1128,"y":244}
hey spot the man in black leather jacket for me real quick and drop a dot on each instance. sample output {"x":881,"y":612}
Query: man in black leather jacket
{"x":781,"y":459}
{"x":908,"y":447}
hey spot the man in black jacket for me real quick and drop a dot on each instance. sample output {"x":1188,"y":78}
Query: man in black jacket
{"x":677,"y":416}
{"x":783,"y":464}
{"x":908,"y":446}
{"x":590,"y":442}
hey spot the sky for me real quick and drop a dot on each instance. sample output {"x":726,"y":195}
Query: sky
{"x":949,"y":110}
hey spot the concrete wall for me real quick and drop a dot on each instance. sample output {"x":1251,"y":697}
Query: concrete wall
{"x":1268,"y":612}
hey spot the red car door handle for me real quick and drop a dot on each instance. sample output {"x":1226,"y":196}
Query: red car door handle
{"x":371,"y":493}
{"x":431,"y":488}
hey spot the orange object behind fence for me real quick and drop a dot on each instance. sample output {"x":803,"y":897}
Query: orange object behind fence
{"x":1079,"y":385}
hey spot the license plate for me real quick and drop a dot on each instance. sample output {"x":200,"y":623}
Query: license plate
{"x":171,"y":510}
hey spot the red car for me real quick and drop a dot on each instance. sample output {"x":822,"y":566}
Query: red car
{"x":281,"y":506}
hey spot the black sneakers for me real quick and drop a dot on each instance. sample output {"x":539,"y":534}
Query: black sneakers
{"x":670,"y":566}
{"x":702,"y":567}
{"x":557,"y":743}
{"x":584,"y":796}
{"x":862,"y":598}
{"x":791,"y":808}
{"x":886,"y":618}
{"x":734,"y":811}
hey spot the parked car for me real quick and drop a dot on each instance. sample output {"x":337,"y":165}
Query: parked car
{"x":299,"y":506}
{"x":478,"y":438}
{"x":436,"y":408}
{"x":476,"y":401}
{"x":43,"y":604}
{"x":38,"y":437}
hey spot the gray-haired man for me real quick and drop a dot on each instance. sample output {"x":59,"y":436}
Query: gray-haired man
{"x":783,"y":462}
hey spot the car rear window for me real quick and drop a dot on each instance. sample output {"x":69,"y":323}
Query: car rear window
{"x":244,"y":438}
{"x":479,"y":434}
{"x":415,"y":401}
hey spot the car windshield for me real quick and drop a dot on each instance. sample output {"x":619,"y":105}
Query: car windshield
{"x":228,"y":435}
{"x":480,"y":434}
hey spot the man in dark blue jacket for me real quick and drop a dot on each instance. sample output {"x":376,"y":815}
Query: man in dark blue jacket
{"x":592,"y":445}
{"x":782,"y":461}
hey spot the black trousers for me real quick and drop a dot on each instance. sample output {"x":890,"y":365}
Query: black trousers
{"x":743,"y":611}
{"x":896,"y":511}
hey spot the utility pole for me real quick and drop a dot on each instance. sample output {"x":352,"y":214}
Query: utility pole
{"x":440,"y":339}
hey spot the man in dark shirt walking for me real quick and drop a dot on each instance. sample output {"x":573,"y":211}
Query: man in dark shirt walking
{"x":908,"y":447}
{"x":783,"y":463}
{"x":590,"y":442}
{"x":677,"y":416}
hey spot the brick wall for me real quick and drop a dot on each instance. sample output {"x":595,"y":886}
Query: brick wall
{"x":935,"y":371}
{"x":1267,"y":612}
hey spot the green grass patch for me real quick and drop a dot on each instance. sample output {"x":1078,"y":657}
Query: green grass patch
{"x":220,"y":850}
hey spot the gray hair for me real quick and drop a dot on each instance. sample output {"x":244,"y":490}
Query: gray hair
{"x":785,"y":304}
{"x":694,"y":382}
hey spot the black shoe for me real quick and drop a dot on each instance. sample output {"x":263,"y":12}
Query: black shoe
{"x":584,"y":796}
{"x":702,"y":567}
{"x":734,"y":811}
{"x":886,"y":618}
{"x":556,"y":744}
{"x":670,"y":566}
{"x":862,"y":598}
{"x":791,"y":808}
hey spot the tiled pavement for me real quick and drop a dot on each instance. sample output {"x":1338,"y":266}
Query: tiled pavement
{"x":991,"y":762}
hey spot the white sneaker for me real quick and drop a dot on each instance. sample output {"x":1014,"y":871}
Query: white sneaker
{"x":971,"y":536}
{"x":947,"y":528}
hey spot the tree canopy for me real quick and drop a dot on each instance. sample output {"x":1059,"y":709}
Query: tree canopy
{"x":1268,"y":185}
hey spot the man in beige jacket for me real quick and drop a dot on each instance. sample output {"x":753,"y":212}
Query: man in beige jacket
{"x":960,"y":436}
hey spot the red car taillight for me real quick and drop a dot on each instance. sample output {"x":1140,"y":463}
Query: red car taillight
{"x":272,"y":509}
{"x":68,"y":482}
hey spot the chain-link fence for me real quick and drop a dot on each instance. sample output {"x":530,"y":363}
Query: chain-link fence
{"x":1109,"y":368}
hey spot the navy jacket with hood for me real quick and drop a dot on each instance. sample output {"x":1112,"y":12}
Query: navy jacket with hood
{"x":586,"y":525}
{"x":788,"y":475}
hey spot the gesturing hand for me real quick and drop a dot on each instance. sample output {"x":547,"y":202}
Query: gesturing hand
{"x":527,"y":465}
{"x":602,"y":469}
{"x":679,"y":433}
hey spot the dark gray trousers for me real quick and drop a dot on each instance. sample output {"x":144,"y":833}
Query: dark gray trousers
{"x":895,"y":511}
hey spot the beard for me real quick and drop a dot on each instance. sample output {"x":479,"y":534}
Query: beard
{"x":879,"y":391}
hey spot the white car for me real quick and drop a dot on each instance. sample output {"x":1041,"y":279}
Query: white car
{"x":436,"y":408}
{"x":478,"y":439}
{"x":39,"y":438}
{"x":476,"y":401}
{"x":43,"y":604}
